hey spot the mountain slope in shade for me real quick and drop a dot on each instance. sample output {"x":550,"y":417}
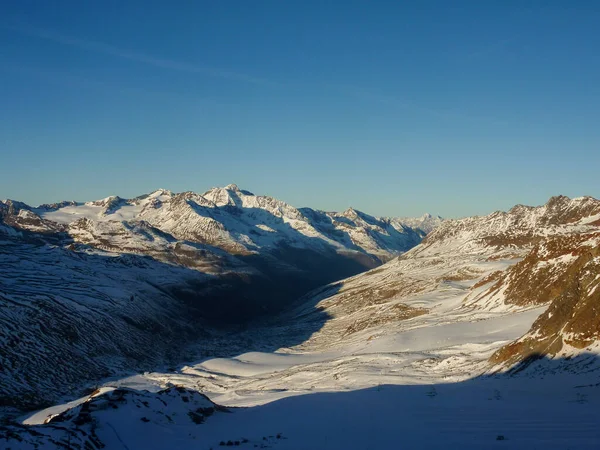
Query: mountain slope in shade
{"x":472,"y":414}
{"x":96,"y":314}
{"x":86,"y":423}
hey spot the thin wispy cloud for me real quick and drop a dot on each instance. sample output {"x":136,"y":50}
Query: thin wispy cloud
{"x":180,"y":66}
{"x":110,"y":50}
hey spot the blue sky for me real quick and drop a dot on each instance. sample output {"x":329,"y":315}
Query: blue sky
{"x":394,"y":108}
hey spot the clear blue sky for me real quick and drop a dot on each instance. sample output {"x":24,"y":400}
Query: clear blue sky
{"x":394,"y":108}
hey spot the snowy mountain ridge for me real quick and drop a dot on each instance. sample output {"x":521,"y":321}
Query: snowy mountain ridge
{"x":501,"y":263}
{"x":240,"y":222}
{"x":227,"y":229}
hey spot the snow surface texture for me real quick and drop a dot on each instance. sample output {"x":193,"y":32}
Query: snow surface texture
{"x":397,"y":357}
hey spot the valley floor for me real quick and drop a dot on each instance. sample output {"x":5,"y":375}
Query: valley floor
{"x":417,"y":384}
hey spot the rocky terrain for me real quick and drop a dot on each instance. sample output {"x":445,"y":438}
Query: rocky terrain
{"x":564,"y":271}
{"x":506,"y":261}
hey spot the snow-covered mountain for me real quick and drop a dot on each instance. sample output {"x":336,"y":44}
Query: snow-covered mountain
{"x":123,"y":284}
{"x":475,"y":267}
{"x":261,"y":232}
{"x":238,"y":222}
{"x":227,"y":230}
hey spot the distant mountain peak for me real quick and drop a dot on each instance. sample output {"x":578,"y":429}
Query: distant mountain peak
{"x":558,"y":199}
{"x":160,"y":192}
{"x":235,"y":188}
{"x":106,"y":202}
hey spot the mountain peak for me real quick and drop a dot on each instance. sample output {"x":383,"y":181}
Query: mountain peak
{"x":160,"y":192}
{"x":106,"y":202}
{"x":558,"y":200}
{"x":235,"y":188}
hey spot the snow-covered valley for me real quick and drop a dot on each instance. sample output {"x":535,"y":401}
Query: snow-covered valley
{"x":484,"y":335}
{"x":425,"y":382}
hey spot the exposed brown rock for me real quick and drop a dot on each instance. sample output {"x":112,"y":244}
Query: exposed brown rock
{"x":573,"y":317}
{"x":543,"y":274}
{"x":393,"y":313}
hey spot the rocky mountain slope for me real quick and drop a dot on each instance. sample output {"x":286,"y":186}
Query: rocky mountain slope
{"x":506,"y":261}
{"x":564,"y":271}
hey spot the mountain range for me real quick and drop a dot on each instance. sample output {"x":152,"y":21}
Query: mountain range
{"x":122,"y":284}
{"x":482,"y":317}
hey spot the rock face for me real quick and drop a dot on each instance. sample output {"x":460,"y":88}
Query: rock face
{"x":564,"y":271}
{"x":559,"y":244}
{"x":124,"y":284}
